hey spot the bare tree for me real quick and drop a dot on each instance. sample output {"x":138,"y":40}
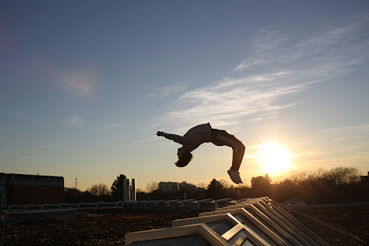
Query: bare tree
{"x":342,"y":175}
{"x":98,"y":189}
{"x":150,"y":187}
{"x":225,"y":183}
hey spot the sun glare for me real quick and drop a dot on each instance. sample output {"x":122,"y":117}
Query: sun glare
{"x":274,"y":157}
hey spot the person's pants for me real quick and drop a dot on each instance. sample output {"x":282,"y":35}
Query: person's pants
{"x":223,"y":138}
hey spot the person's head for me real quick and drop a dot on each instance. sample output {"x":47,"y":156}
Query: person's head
{"x":184,"y":157}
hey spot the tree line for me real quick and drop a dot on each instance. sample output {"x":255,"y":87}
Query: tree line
{"x":340,"y":184}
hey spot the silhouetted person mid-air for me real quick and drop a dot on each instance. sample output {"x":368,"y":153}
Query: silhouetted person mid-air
{"x":205,"y":134}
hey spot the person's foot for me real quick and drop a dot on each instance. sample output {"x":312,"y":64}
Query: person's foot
{"x":235,"y":176}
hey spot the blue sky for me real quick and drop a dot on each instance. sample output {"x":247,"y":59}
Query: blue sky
{"x":84,"y":86}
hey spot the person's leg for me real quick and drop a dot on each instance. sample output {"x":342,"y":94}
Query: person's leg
{"x":221,"y":138}
{"x":238,"y":153}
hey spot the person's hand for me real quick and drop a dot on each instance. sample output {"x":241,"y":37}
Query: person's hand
{"x":159,"y":133}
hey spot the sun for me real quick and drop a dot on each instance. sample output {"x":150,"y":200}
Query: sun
{"x":274,"y":157}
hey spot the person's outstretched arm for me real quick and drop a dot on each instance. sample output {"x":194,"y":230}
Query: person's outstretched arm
{"x":174,"y":137}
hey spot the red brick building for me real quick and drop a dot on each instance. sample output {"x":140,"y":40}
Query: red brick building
{"x":21,"y":189}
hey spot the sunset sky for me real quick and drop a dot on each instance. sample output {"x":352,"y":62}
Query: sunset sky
{"x":85,"y":85}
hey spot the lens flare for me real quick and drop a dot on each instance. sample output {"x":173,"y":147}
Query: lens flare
{"x":274,"y":157}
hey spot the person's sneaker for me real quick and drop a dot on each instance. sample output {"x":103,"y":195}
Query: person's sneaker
{"x":235,"y":176}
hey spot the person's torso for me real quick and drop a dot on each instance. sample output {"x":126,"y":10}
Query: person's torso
{"x":197,"y":136}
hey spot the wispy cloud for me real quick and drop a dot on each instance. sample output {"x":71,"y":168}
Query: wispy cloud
{"x":75,"y":120}
{"x":80,"y":82}
{"x":44,"y":147}
{"x":167,"y":90}
{"x":346,"y":134}
{"x":7,"y":45}
{"x":78,"y":120}
{"x":335,"y":146}
{"x":26,"y":152}
{"x":113,"y":125}
{"x":352,"y":129}
{"x":150,"y":139}
{"x":336,"y":135}
{"x":277,"y":67}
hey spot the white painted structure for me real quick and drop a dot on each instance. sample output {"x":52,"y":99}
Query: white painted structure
{"x":133,"y":190}
{"x":129,"y":190}
{"x":258,"y":221}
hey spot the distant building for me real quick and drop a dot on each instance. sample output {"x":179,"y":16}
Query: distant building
{"x":365,"y":179}
{"x":21,"y":189}
{"x":176,"y":187}
{"x":129,"y":188}
{"x":168,"y":187}
{"x":185,"y":187}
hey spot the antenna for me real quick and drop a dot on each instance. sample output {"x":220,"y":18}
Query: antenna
{"x":75,"y":183}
